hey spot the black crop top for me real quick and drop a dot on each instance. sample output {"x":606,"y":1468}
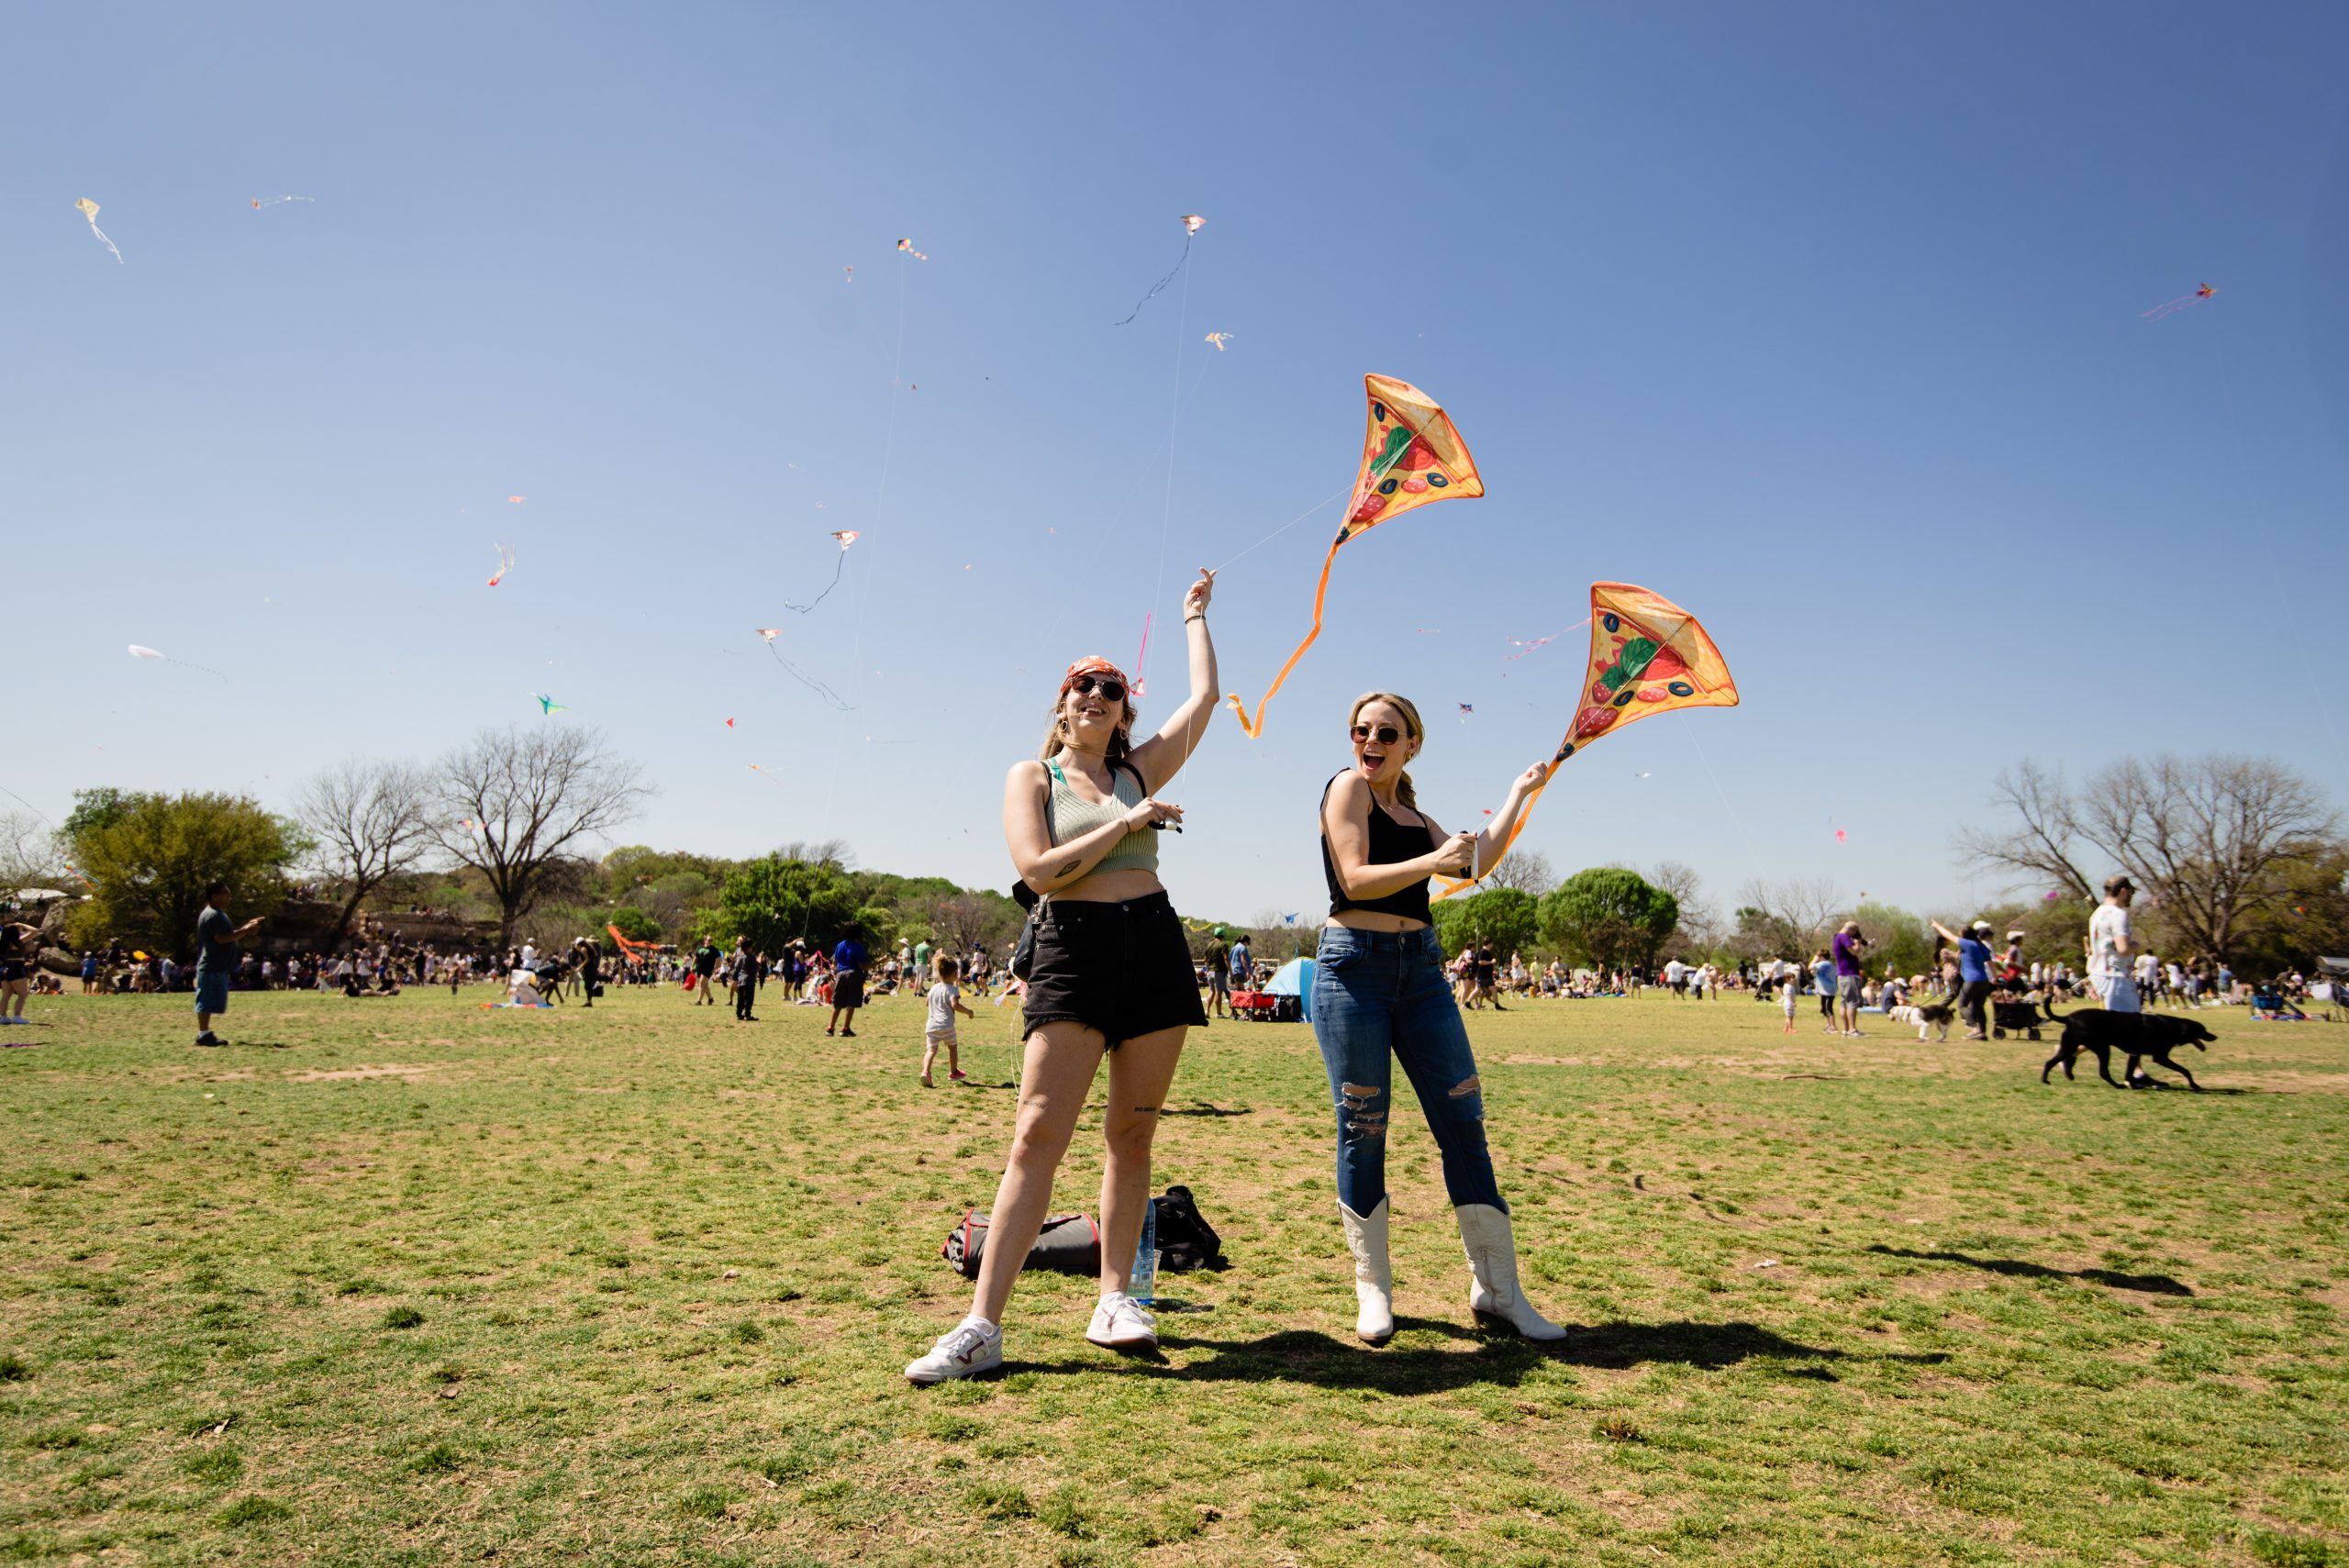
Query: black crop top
{"x":1391,"y":844}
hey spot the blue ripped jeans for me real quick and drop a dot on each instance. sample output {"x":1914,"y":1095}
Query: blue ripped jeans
{"x":1380,"y":997}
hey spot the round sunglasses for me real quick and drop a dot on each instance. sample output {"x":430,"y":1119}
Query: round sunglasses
{"x":1385,"y":734}
{"x":1111,"y":691}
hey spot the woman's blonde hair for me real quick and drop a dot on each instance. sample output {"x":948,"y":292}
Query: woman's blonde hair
{"x":1411,"y":725}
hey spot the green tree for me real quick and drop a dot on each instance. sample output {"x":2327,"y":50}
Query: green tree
{"x":635,"y":924}
{"x":1505,"y":917}
{"x":1607,"y":916}
{"x":773,"y":900}
{"x":150,"y":857}
{"x":1895,"y":936}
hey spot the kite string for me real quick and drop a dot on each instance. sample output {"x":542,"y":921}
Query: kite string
{"x":1276,"y":533}
{"x":1727,"y":806}
{"x":1166,"y":513}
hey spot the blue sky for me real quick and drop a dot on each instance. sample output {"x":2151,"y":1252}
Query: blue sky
{"x":1821,"y":320}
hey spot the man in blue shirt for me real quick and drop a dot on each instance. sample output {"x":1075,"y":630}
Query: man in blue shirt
{"x":216,"y":958}
{"x":848,"y":983}
{"x":1973,"y":975}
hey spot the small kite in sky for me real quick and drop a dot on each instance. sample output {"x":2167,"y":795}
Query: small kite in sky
{"x":1468,"y":711}
{"x":1647,"y":656}
{"x":1526,"y":645}
{"x":1219,"y":339}
{"x":547,"y":705}
{"x":2171,"y":306}
{"x":729,"y":723}
{"x":907,"y":247}
{"x":514,"y":500}
{"x":1192,"y":224}
{"x":1142,"y":658}
{"x":851,"y":271}
{"x":505,"y":565}
{"x":1643,"y":775}
{"x":1839,"y":834}
{"x":845,"y":537}
{"x":261,"y":202}
{"x":89,"y":209}
{"x":821,"y":690}
{"x":140,"y":651}
{"x":1411,"y":455}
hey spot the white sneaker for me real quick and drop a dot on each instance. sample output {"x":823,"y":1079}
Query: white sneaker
{"x":1120,"y":1324}
{"x":964,"y":1350}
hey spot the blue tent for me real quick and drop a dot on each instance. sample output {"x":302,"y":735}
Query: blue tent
{"x":1296,"y":979}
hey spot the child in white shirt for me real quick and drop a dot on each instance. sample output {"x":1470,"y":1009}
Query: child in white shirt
{"x":1789,"y":987}
{"x":938,"y":1029}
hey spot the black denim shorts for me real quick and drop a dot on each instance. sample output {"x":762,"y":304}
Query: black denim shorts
{"x":1124,"y":969}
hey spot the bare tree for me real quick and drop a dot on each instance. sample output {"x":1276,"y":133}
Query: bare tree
{"x":833,"y":852}
{"x":970,"y":919}
{"x":507,"y":802}
{"x":1528,"y":871}
{"x":2209,"y":838}
{"x":1795,"y":913}
{"x":2042,"y":846}
{"x":29,"y":855}
{"x":1699,"y":923}
{"x":367,"y":823}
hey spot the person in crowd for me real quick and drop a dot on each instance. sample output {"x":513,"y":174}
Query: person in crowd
{"x":1219,"y":967}
{"x":20,"y":945}
{"x":216,"y":956}
{"x":705,"y":966}
{"x":746,"y":968}
{"x":2109,"y":949}
{"x":1111,"y":977}
{"x":1822,"y":980}
{"x":1973,"y":975}
{"x":1848,"y":946}
{"x":89,"y":971}
{"x":1789,"y":996}
{"x":1243,"y":964}
{"x":588,"y":958}
{"x":1379,"y":996}
{"x":945,"y":1000}
{"x":848,"y":981}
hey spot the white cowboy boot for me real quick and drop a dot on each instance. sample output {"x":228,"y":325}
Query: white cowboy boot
{"x":1492,"y":1259}
{"x":1374,"y":1281}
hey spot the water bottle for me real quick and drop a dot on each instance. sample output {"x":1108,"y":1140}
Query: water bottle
{"x":1144,"y":1275}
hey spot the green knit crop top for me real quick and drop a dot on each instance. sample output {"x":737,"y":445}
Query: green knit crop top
{"x":1068,"y":816}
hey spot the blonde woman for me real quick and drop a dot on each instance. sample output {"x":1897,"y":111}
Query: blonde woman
{"x":1379,"y":996}
{"x":1112,"y":977}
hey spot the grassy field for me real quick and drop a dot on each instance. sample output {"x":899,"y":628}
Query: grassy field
{"x":412,"y":1281}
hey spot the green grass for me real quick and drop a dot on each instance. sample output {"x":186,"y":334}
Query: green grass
{"x":410,"y":1282}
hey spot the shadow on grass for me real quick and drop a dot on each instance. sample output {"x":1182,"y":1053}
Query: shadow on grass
{"x":1201,"y":1107}
{"x":2153,"y":1285}
{"x":1310,"y":1356}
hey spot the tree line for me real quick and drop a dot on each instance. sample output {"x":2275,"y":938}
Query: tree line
{"x":2237,"y":860}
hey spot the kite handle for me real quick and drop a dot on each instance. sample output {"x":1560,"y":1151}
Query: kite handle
{"x":1450,"y":886}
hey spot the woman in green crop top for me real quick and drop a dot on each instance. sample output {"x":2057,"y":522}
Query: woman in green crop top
{"x":1112,"y":977}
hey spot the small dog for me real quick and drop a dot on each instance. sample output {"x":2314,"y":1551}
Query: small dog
{"x":2139,"y":1036}
{"x":1927,"y":1016}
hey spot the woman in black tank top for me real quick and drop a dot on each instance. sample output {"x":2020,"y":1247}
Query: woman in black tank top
{"x":1380,"y":995}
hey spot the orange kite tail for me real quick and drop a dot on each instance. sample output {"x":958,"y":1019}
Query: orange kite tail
{"x":1255,"y":729}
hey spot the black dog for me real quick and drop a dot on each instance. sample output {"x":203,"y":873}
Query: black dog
{"x":2136,"y":1035}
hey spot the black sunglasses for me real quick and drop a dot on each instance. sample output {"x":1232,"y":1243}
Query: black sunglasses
{"x":1385,"y":734}
{"x":1111,"y":691}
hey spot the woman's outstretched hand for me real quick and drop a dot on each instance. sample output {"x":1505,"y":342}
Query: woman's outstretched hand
{"x":1195,"y":601}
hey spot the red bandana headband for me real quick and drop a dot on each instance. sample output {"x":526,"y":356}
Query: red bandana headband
{"x":1094,"y":665}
